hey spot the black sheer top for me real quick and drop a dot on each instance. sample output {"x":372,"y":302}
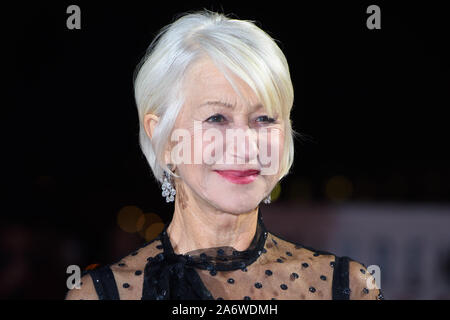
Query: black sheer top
{"x":270,"y":268}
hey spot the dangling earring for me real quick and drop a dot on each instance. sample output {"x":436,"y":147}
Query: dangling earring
{"x":168,"y":190}
{"x":267,"y":199}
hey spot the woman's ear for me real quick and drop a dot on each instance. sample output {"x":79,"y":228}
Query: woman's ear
{"x":150,"y":122}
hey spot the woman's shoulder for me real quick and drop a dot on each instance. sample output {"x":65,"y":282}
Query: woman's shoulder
{"x":362,"y":282}
{"x":278,"y":245}
{"x":129,"y":270}
{"x":135,"y":261}
{"x":357,"y":281}
{"x":86,"y":290}
{"x":122,"y":279}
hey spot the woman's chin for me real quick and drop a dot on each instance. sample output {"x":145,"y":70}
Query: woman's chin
{"x":237,"y":206}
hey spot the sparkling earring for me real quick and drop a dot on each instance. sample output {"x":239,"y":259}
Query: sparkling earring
{"x":267,"y":199}
{"x":168,"y":190}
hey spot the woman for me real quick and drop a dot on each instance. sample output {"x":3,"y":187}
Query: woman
{"x":207,"y":78}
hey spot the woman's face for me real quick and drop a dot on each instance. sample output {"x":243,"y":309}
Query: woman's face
{"x":235,"y":146}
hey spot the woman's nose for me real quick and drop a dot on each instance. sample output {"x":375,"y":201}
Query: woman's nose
{"x":243,"y":145}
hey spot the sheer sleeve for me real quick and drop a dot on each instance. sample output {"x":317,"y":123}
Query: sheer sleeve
{"x":362,"y":283}
{"x":85,"y":292}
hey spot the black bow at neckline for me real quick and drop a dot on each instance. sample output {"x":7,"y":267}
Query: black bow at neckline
{"x":172,"y":276}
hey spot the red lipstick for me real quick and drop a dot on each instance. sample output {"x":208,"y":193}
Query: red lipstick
{"x":239,"y":176}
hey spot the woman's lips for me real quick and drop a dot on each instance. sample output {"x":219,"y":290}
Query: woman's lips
{"x":239,"y":176}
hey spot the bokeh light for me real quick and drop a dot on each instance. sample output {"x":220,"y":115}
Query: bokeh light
{"x":153,"y":230}
{"x":275,"y":192}
{"x":92,"y":266}
{"x":150,"y":225}
{"x":128,"y":218}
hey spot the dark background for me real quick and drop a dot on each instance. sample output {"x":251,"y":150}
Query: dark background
{"x":371,"y":105}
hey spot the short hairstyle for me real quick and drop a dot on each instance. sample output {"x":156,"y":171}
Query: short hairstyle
{"x":232,"y":44}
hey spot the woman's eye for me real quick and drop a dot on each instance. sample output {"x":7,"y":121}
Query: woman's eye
{"x":216,"y":118}
{"x":265,"y":119}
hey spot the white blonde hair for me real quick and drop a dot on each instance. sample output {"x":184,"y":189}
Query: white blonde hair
{"x":232,"y":44}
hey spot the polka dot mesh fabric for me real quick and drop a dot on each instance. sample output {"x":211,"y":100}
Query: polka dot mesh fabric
{"x":271,"y":268}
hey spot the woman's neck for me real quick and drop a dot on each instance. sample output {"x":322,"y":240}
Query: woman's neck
{"x":197,"y":225}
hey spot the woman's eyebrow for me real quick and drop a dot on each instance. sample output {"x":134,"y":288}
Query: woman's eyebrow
{"x":218,"y":103}
{"x":227,"y":105}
